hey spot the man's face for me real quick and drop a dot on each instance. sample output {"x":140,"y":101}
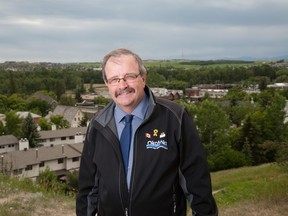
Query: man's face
{"x":127,"y":94}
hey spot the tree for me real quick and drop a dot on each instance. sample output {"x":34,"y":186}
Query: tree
{"x":154,"y":79}
{"x":44,"y":125}
{"x":72,"y":181}
{"x":16,"y":102}
{"x":2,"y":129}
{"x":238,"y":113}
{"x":100,"y":100}
{"x":40,"y":106}
{"x":13,"y":124}
{"x":3,"y":104}
{"x":67,"y":100}
{"x":91,"y":88}
{"x":263,"y":83}
{"x":78,"y":96}
{"x":84,"y":120}
{"x":29,"y":131}
{"x":48,"y":181}
{"x":59,"y":88}
{"x":59,"y":121}
{"x":211,"y":119}
{"x":235,"y":95}
{"x":12,"y":83}
{"x":263,"y":128}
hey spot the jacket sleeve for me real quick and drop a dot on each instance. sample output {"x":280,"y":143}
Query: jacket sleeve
{"x":86,"y":200}
{"x":194,"y":172}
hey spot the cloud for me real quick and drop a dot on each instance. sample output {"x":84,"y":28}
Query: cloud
{"x":73,"y":30}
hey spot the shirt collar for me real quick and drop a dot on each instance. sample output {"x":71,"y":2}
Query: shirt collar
{"x":140,"y":110}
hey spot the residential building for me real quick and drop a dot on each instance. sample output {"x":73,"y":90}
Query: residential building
{"x":72,"y":114}
{"x":48,"y":99}
{"x":61,"y":152}
{"x":62,"y":136}
{"x":196,"y":93}
{"x":29,"y":163}
{"x":8,"y":143}
{"x":24,"y":115}
{"x":167,"y":93}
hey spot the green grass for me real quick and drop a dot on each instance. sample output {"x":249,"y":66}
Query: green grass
{"x":192,"y":64}
{"x":185,"y":64}
{"x":266,"y":182}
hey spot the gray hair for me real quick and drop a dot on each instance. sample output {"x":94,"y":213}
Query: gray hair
{"x":119,"y":52}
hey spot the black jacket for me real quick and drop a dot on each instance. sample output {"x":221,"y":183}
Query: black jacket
{"x":169,"y":166}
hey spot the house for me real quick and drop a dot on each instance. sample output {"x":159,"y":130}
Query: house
{"x":172,"y":96}
{"x":89,"y":108}
{"x":24,"y":115}
{"x":61,"y":152}
{"x":72,"y":114}
{"x":62,"y":136}
{"x":278,"y":86}
{"x":167,"y":93}
{"x":8,"y":143}
{"x":196,"y":93}
{"x":29,"y":163}
{"x":48,"y":99}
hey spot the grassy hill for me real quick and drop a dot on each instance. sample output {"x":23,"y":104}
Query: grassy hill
{"x":260,"y":190}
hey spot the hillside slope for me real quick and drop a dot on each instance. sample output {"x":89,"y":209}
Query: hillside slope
{"x":254,"y":191}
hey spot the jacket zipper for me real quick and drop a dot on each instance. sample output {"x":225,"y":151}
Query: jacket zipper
{"x":174,"y":201}
{"x":132,"y":173}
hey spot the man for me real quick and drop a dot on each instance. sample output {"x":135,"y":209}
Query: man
{"x":165,"y":165}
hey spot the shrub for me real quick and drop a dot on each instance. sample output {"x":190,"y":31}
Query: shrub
{"x":72,"y":181}
{"x":282,"y":155}
{"x":227,"y":158}
{"x":47,"y":179}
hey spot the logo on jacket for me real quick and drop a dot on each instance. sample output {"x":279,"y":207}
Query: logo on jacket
{"x":162,"y":135}
{"x":147,"y":135}
{"x":156,"y":144}
{"x":155,"y":132}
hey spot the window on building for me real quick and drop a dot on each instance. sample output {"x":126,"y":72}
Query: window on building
{"x":28,"y":167}
{"x":63,"y":138}
{"x":71,"y":137}
{"x":60,"y":161}
{"x":42,"y":164}
{"x":75,"y":159}
{"x":17,"y":172}
{"x":52,"y":139}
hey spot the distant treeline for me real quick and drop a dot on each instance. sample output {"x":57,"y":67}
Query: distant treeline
{"x":61,"y":78}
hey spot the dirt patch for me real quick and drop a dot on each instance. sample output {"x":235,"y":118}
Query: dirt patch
{"x":35,"y":204}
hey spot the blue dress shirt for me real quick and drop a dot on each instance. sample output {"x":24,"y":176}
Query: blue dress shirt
{"x":139,"y":114}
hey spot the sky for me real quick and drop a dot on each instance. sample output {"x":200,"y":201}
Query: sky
{"x":66,"y":31}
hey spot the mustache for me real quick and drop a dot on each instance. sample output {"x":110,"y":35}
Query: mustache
{"x":125,"y":90}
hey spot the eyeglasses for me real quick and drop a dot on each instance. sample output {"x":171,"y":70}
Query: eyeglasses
{"x":127,"y":78}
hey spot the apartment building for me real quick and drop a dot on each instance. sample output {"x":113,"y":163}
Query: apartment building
{"x":29,"y":163}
